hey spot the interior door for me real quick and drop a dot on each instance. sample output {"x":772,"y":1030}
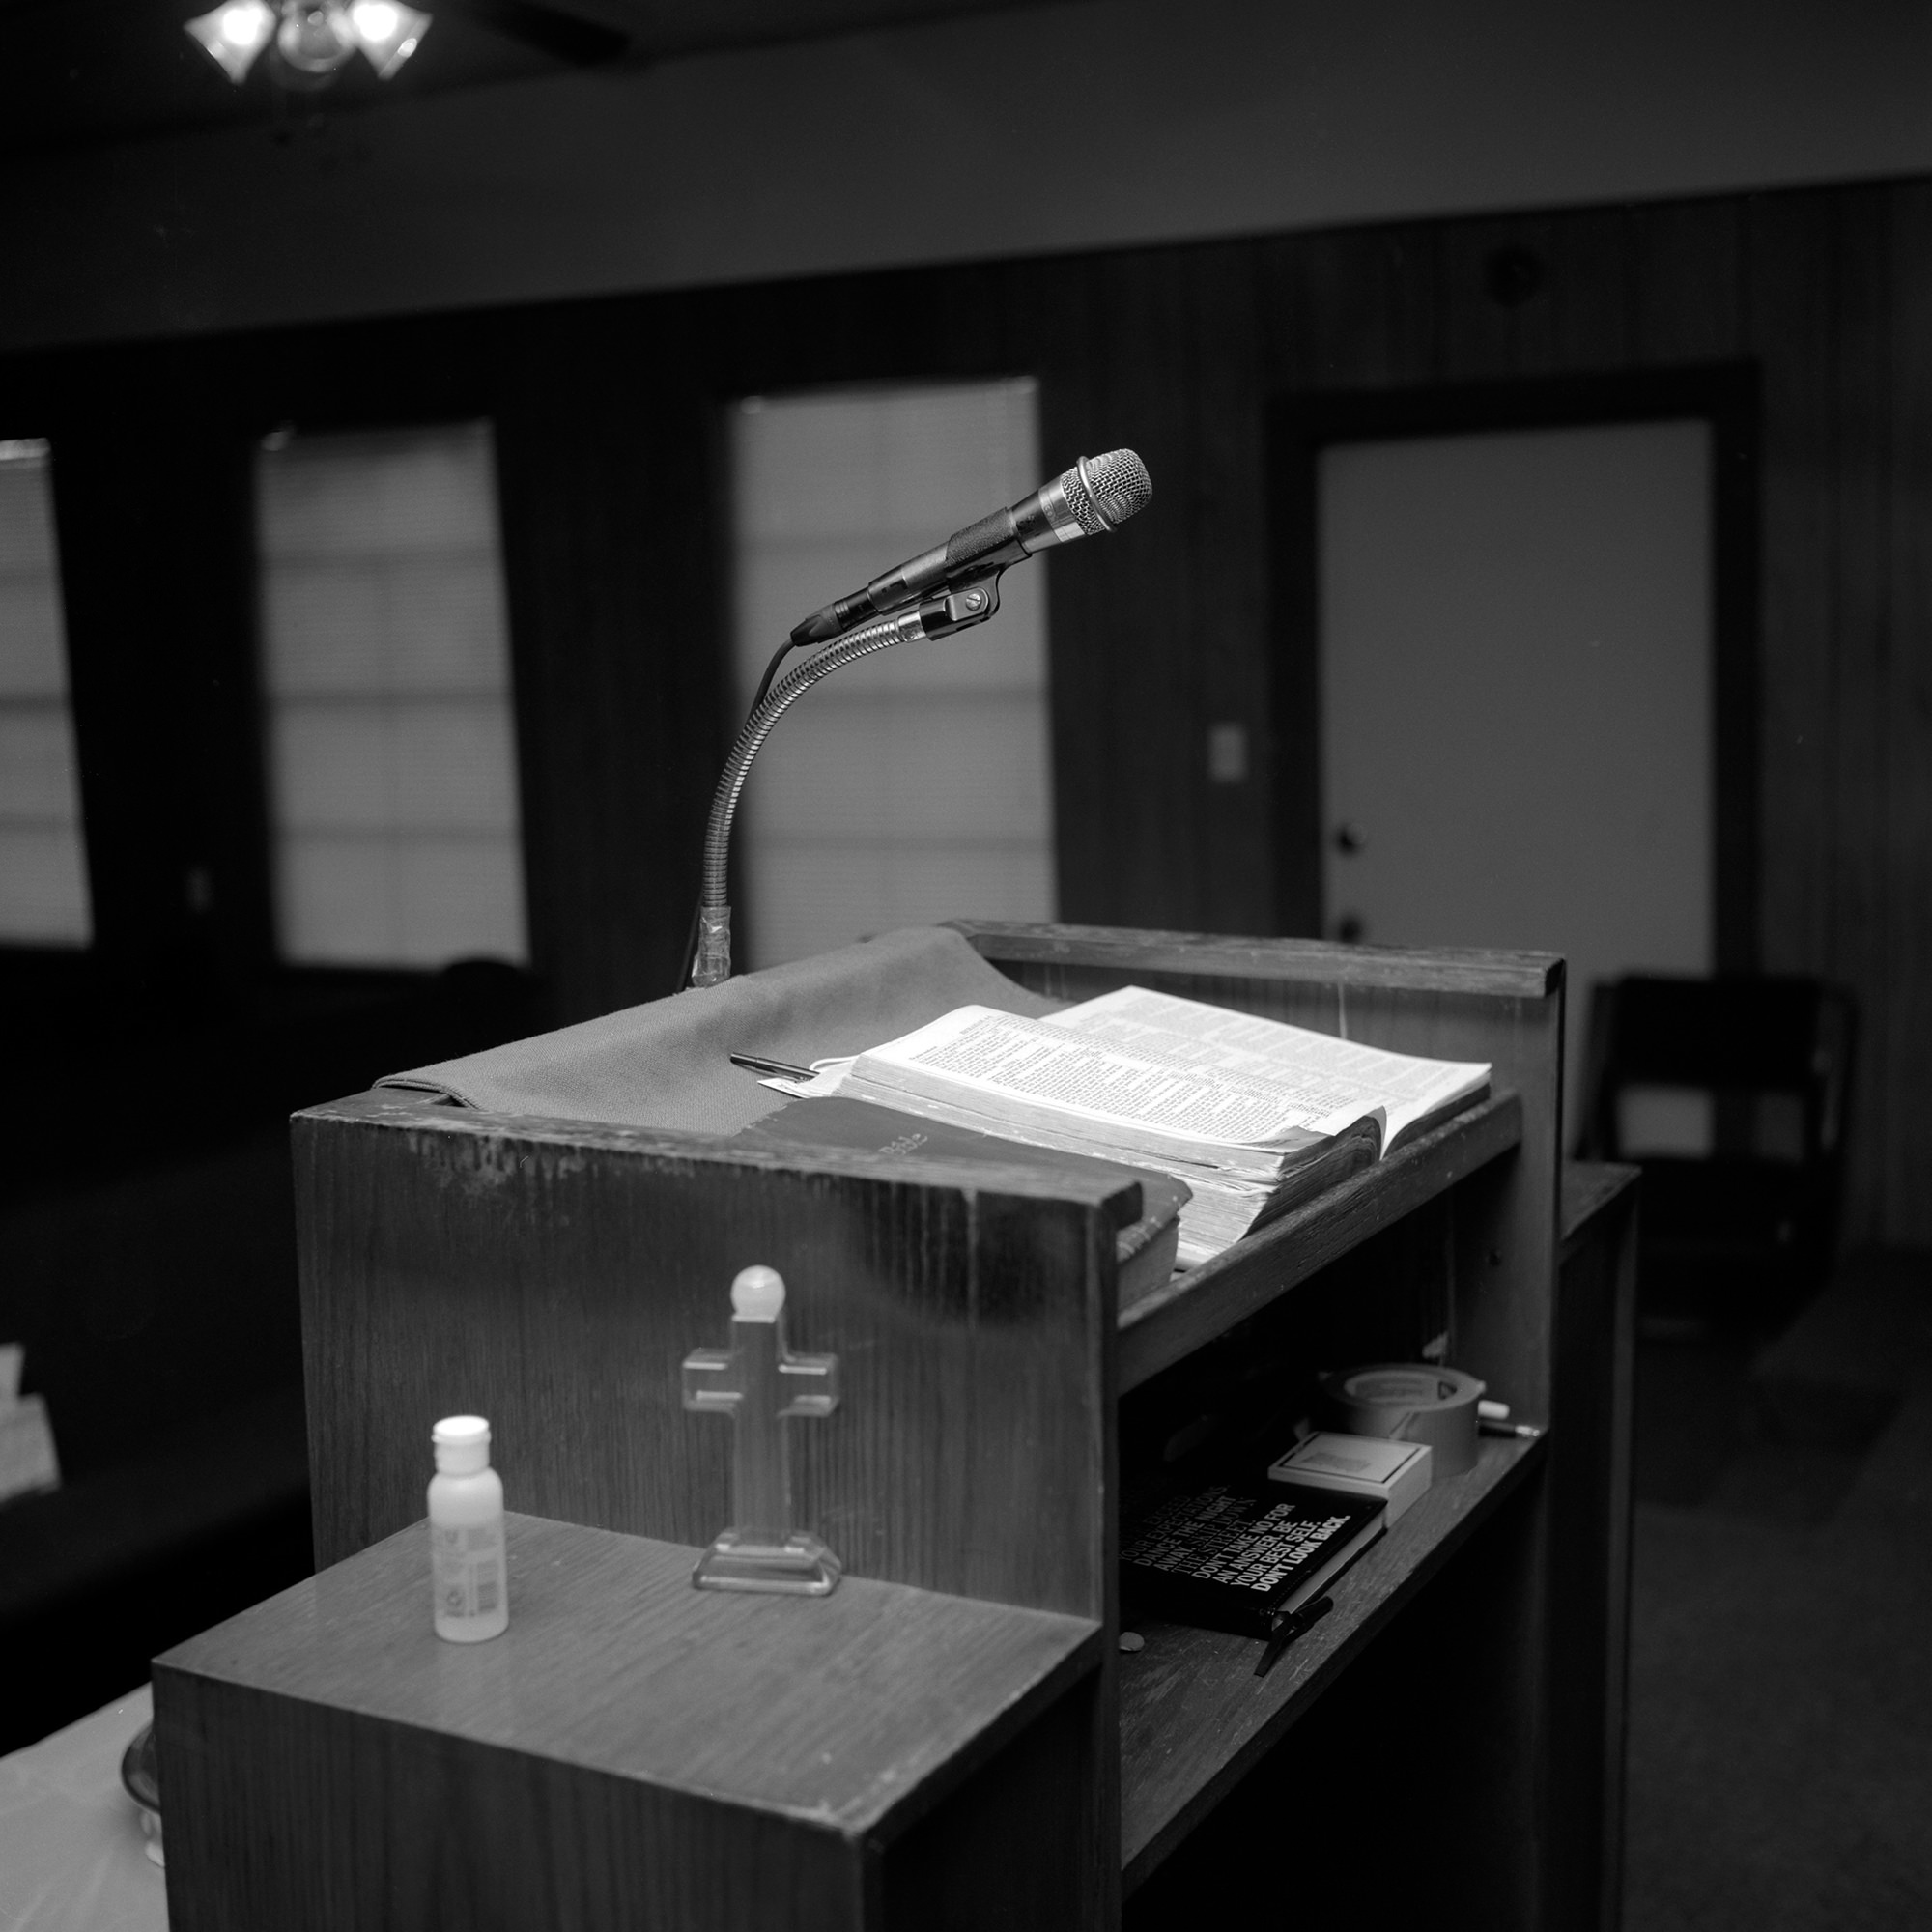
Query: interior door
{"x":1515,"y":710}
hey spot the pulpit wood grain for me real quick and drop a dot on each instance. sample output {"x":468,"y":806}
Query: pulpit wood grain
{"x":631,"y":1751}
{"x":554,"y":1275}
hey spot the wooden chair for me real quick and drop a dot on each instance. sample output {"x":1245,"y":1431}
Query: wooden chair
{"x":1741,"y":1215}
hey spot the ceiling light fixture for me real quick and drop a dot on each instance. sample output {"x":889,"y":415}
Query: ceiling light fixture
{"x":311,"y":39}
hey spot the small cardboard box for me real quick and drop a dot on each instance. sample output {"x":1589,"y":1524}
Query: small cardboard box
{"x":1357,"y":1465}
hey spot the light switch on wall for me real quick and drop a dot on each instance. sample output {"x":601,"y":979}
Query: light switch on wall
{"x":1228,"y":753}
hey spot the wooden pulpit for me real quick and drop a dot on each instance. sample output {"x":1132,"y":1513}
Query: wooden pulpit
{"x":953,"y":1736}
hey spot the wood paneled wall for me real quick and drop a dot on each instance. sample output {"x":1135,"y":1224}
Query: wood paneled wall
{"x":612,"y":488}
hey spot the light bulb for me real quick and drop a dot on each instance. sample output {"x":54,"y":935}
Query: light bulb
{"x":233,"y":35}
{"x":244,"y":26}
{"x":387,"y":32}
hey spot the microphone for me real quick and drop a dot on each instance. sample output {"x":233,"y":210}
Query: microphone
{"x":1097,"y":494}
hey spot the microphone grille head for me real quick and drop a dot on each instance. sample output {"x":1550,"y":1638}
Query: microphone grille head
{"x":1102,"y":491}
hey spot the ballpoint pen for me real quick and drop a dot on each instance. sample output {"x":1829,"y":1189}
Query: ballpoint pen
{"x":756,"y":1062}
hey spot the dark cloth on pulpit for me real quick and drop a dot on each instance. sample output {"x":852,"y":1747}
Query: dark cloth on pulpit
{"x":666,"y":1064}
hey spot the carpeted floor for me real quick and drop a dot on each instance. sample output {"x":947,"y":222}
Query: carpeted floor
{"x":1781,"y":1749}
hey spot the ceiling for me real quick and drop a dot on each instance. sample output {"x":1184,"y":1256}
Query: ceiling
{"x":87,"y":74}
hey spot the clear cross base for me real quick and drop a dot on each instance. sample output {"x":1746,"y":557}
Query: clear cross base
{"x":800,"y":1566}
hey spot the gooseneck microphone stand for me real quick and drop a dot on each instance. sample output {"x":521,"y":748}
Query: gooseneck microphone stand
{"x":966,"y":603}
{"x":950,"y":587}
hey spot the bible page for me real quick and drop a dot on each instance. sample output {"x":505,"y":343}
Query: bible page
{"x":1330,"y":1072}
{"x":1018,"y":1068}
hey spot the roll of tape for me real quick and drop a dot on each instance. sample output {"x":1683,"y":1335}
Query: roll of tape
{"x":1410,"y":1402}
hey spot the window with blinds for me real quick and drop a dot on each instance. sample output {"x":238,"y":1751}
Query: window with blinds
{"x":914,"y":786}
{"x":43,"y":897}
{"x":386,"y":682}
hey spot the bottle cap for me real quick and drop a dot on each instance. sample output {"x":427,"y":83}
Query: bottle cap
{"x":462,"y":1445}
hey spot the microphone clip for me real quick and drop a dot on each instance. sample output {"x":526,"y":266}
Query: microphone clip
{"x":971,"y":601}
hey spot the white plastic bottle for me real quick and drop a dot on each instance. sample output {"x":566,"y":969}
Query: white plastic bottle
{"x":465,"y":1533}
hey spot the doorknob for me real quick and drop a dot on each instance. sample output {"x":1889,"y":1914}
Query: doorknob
{"x":1349,"y":837}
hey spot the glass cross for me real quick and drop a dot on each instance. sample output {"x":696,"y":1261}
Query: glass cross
{"x":758,"y":1382}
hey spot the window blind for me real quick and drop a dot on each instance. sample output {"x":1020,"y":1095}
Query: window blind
{"x":390,"y":734}
{"x":43,"y":895}
{"x":915,"y":785}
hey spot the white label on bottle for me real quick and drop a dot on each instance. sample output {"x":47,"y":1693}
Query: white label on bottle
{"x":468,"y":1568}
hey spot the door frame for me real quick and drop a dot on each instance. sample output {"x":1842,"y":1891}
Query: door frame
{"x":1299,"y":427}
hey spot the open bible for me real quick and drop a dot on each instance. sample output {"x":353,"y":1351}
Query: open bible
{"x":1255,"y":1116}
